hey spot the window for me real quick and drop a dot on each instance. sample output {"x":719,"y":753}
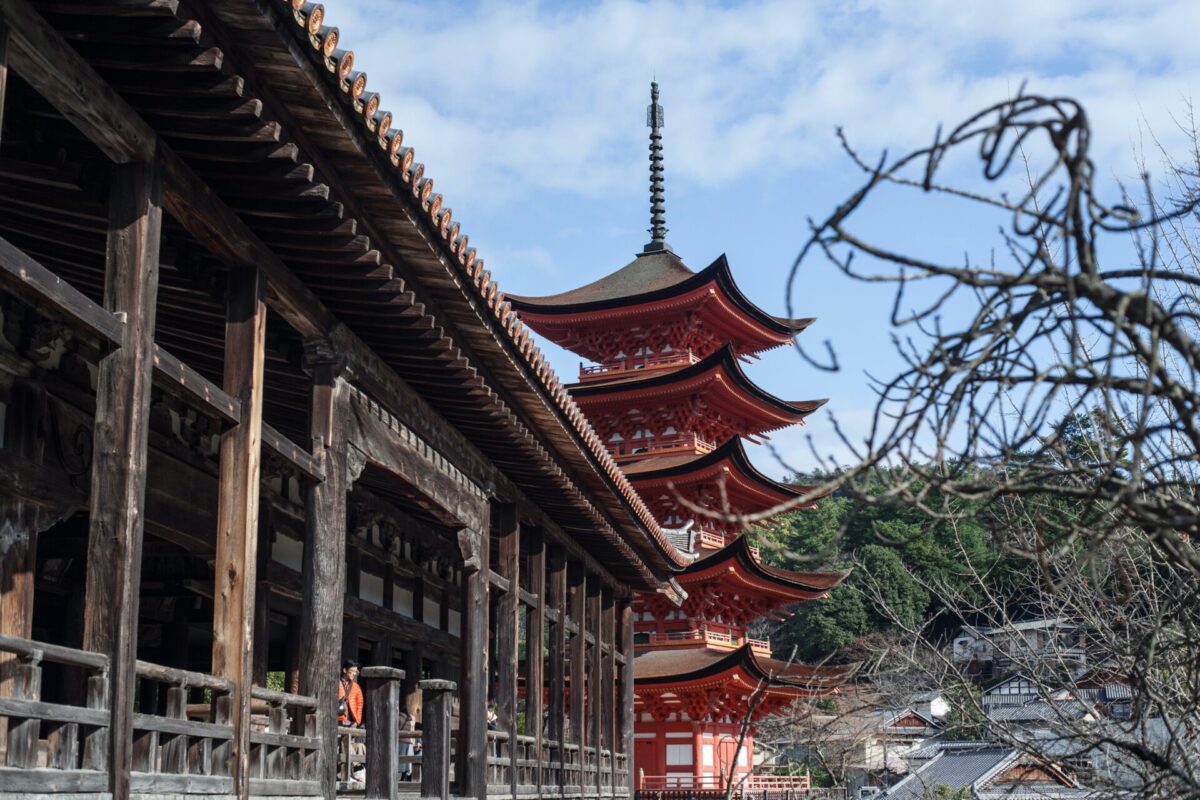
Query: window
{"x":706,"y":755}
{"x":679,"y":755}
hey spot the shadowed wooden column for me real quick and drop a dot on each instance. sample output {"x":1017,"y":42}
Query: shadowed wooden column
{"x":576,"y":591}
{"x":119,"y":462}
{"x":237,"y":508}
{"x":595,"y":679}
{"x":535,"y":653}
{"x":472,"y":746}
{"x":625,"y":714}
{"x":556,"y":597}
{"x":508,"y":534}
{"x":324,"y":564}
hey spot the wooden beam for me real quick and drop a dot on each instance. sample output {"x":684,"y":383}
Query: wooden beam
{"x":119,"y":462}
{"x":508,"y":534}
{"x":472,"y":746}
{"x":26,"y":278}
{"x":276,"y":443}
{"x":324,"y":566}
{"x":237,"y":509}
{"x":178,"y":378}
{"x":57,"y":72}
{"x":49,"y":65}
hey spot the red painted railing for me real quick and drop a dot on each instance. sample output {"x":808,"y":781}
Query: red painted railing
{"x":751,"y":783}
{"x":639,"y":448}
{"x":681,"y":359}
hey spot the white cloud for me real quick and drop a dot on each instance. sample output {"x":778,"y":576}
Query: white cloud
{"x":501,"y":99}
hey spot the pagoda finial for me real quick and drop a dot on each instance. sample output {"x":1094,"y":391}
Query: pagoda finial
{"x":658,"y":208}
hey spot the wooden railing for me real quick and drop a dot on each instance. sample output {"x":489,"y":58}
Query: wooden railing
{"x":285,"y":752}
{"x":173,"y":750}
{"x":743,"y":785}
{"x":53,"y":746}
{"x":661,"y":361}
{"x":639,"y":448}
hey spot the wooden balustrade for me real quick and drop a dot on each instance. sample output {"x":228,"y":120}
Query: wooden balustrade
{"x":177,"y":747}
{"x":54,"y":746}
{"x":285,"y":749}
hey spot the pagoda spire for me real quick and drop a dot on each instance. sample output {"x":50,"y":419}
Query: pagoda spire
{"x":658,"y":207}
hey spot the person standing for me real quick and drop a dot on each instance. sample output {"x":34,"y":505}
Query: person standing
{"x":350,"y":713}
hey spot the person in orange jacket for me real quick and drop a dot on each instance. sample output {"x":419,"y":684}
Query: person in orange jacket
{"x":350,"y":696}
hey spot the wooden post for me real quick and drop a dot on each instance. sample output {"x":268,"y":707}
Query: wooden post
{"x":262,"y":598}
{"x":508,"y":534}
{"x":237,"y":509}
{"x":122,"y":429}
{"x":608,"y":684}
{"x":556,"y":596}
{"x":625,"y":716}
{"x":595,"y":680}
{"x":535,"y":655}
{"x":472,"y":747}
{"x":435,"y":738}
{"x":381,"y":715}
{"x":576,"y":592}
{"x":413,"y":675}
{"x":324,"y":565}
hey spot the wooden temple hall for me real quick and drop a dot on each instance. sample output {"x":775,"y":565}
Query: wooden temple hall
{"x":262,"y":409}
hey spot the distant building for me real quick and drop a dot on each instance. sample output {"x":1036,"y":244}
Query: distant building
{"x":932,"y":704}
{"x":1048,"y":642}
{"x":986,"y":770}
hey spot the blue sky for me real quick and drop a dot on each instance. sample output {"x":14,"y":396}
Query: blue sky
{"x":530,"y":118}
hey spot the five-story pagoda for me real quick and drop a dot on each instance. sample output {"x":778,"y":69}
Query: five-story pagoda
{"x":668,"y":394}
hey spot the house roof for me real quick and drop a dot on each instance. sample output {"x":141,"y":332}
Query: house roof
{"x":986,"y":768}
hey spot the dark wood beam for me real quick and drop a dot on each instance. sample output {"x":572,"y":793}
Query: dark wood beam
{"x":595,"y":680}
{"x":237,"y":509}
{"x":29,"y":280}
{"x":3,"y":70}
{"x":121,"y":435}
{"x":57,"y":72}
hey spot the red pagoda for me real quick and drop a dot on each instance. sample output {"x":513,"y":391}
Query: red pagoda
{"x":668,"y":394}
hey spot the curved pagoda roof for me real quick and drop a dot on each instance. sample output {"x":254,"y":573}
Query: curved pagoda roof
{"x":659,"y":479}
{"x":698,"y":668}
{"x":737,"y":569}
{"x":661,"y":282}
{"x":719,"y":377}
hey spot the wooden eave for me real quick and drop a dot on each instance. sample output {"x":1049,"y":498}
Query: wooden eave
{"x":715,"y":279}
{"x":748,"y":490}
{"x":741,"y":665}
{"x":736,"y":563}
{"x":719,"y":377}
{"x":243,"y":94}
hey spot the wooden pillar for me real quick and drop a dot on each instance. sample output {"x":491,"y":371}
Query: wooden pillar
{"x":350,"y":627}
{"x":508,"y":535}
{"x":262,"y":599}
{"x":435,"y":738}
{"x":472,"y":746}
{"x":535,"y":654}
{"x":412,"y":677}
{"x":556,"y":597}
{"x":595,"y":678}
{"x":608,"y":684}
{"x":122,"y":429}
{"x":20,"y":521}
{"x":576,"y":593}
{"x":381,"y":715}
{"x":237,"y":508}
{"x":324,"y":565}
{"x":625,"y":714}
